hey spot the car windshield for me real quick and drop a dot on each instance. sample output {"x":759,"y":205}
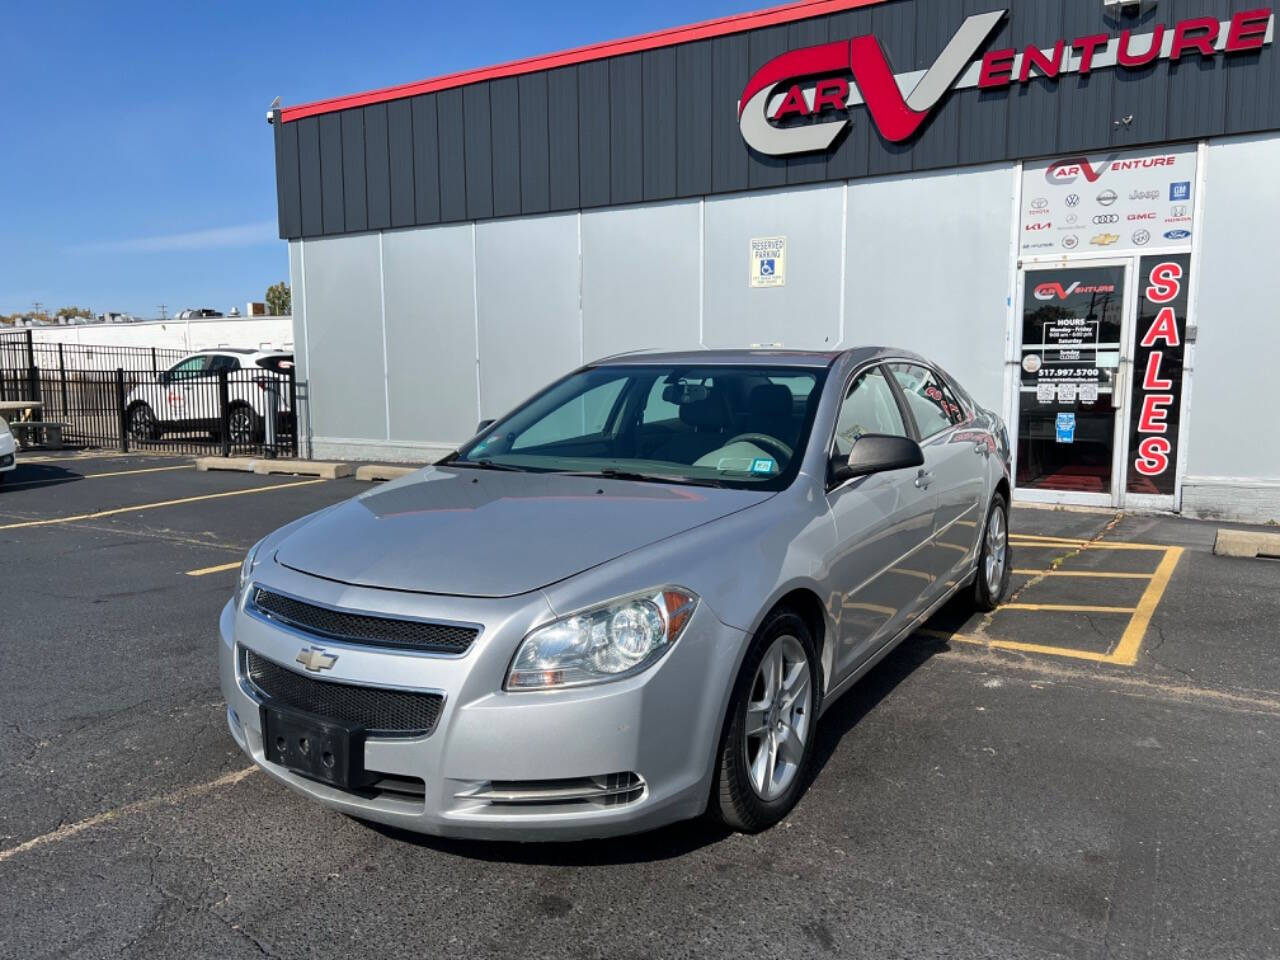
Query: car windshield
{"x":738,"y":426}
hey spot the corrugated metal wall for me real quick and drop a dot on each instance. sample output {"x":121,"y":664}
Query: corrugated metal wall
{"x":662,"y":124}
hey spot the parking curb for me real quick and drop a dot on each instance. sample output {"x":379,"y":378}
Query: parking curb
{"x":382,"y":471}
{"x":1247,"y":543}
{"x":325,"y":470}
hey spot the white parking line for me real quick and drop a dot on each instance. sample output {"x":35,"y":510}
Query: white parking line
{"x":169,"y":799}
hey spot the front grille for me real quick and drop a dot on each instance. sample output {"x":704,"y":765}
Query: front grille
{"x":364,"y":629}
{"x":399,"y":712}
{"x":609,"y":790}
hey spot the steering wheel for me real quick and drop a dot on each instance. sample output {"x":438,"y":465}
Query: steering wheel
{"x":772,"y":444}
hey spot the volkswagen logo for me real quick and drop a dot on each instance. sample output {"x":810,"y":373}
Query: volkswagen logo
{"x":1073,"y":199}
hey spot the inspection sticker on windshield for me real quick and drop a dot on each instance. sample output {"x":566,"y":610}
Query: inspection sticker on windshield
{"x":762,"y":465}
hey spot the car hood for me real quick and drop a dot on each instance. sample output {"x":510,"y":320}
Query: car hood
{"x":488,"y":534}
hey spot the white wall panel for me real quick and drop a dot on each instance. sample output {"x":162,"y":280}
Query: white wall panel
{"x":1229,"y":431}
{"x":806,"y":311}
{"x":928,"y":267}
{"x":428,"y":290}
{"x":527,"y":292}
{"x":640,"y":278}
{"x":344,"y":337}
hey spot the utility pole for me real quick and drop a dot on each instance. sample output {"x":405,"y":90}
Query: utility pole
{"x":162,"y":313}
{"x":35,"y":307}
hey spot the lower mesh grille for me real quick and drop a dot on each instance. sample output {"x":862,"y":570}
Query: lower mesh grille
{"x":399,"y":712}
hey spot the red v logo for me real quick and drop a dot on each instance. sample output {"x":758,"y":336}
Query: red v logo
{"x":896,"y":116}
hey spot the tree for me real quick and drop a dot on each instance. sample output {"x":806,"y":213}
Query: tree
{"x":70,"y":312}
{"x":279,"y":300}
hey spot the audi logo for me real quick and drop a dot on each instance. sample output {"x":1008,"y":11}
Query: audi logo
{"x":1106,"y":218}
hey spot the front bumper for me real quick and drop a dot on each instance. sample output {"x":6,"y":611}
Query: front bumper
{"x":8,"y":452}
{"x":499,"y":765}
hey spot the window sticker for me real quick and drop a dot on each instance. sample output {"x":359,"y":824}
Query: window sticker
{"x":762,"y":465}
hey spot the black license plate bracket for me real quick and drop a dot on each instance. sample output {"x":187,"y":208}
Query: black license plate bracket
{"x":319,"y":749}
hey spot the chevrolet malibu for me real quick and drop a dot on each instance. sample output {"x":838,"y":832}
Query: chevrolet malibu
{"x":627,"y":602}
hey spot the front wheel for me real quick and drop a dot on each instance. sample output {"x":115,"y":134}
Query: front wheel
{"x":766,"y":748}
{"x":995,"y":560}
{"x":142,"y":423}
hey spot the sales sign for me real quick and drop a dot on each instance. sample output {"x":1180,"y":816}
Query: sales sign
{"x":1157,"y":374}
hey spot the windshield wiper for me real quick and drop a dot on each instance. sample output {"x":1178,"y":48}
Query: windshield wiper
{"x":486,"y":465}
{"x":611,"y":473}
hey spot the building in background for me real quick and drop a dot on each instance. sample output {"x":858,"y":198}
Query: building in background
{"x":1070,"y":205}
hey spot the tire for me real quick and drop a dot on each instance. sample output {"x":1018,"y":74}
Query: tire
{"x":244,"y":425}
{"x":995,"y":558}
{"x":143,"y":424}
{"x":749,"y":793}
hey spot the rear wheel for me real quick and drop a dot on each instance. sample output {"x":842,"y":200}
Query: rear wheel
{"x":767,"y":745}
{"x":243,"y":425}
{"x":995,"y":560}
{"x":142,"y":423}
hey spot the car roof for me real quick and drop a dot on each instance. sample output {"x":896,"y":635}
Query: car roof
{"x":240,"y":352}
{"x":754,"y":357}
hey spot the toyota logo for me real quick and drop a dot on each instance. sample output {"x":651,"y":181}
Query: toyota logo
{"x":1039,"y":203}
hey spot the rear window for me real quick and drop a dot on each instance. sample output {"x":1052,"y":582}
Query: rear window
{"x":281,"y":364}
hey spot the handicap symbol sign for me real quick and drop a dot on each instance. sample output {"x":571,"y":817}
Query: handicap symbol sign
{"x":766,"y":268}
{"x":1066,"y":427}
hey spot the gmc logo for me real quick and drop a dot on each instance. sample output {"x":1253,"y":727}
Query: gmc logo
{"x":799,"y":102}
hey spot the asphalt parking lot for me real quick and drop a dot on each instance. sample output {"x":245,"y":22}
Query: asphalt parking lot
{"x":1091,"y":771}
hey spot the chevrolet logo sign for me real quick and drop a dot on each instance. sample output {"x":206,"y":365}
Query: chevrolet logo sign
{"x":316,"y":660}
{"x":1105,"y":239}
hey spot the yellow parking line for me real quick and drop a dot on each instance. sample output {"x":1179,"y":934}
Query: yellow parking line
{"x":1085,"y":573}
{"x":1065,"y":608}
{"x":95,"y":476}
{"x":220,"y":568}
{"x":1034,"y":536}
{"x":155,"y":506}
{"x":1019,"y":540}
{"x":1020,"y":647}
{"x":1131,"y":642}
{"x":168,"y":800}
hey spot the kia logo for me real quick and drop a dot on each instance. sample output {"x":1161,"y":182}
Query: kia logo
{"x":1040,"y":226}
{"x":1103,"y":218}
{"x":1107,"y":197}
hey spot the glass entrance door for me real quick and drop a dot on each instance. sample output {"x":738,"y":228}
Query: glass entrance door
{"x":1071,"y":392}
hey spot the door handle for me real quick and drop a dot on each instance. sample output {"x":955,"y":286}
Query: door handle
{"x":923,"y":479}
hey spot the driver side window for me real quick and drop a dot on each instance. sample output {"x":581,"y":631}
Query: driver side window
{"x":191,"y":367}
{"x":869,"y":407}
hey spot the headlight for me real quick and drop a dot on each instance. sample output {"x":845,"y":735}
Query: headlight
{"x":608,"y":642}
{"x":246,"y":570}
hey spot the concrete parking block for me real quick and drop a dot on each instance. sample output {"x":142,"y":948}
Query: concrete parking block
{"x":1247,"y":543}
{"x":381,"y":471}
{"x":325,"y":470}
{"x":244,"y":464}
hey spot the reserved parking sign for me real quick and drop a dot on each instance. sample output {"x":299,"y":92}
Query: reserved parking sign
{"x":769,"y":262}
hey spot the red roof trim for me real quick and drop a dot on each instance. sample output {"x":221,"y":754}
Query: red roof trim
{"x":648,"y":41}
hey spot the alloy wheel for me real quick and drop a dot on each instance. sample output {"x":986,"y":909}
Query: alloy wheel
{"x":142,"y":423}
{"x":995,"y":553}
{"x":240,"y":425}
{"x":778,"y":718}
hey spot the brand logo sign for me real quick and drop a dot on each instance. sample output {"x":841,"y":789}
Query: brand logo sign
{"x":1104,"y":239}
{"x":1179,"y":191}
{"x":1056,"y":291}
{"x":1177,"y":234}
{"x":314,"y":659}
{"x":799,"y":102}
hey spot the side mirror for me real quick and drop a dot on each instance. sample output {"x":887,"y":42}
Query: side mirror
{"x":876,"y":453}
{"x":484,"y":425}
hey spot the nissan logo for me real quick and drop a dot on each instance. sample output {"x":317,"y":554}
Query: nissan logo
{"x":1107,"y":197}
{"x":1102,"y":218}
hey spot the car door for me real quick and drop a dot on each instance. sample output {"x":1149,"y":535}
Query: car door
{"x":209,"y":402}
{"x":883,"y":523}
{"x":180,"y":400}
{"x":955,"y":465}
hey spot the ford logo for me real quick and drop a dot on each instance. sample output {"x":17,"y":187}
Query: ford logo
{"x":1177,"y":234}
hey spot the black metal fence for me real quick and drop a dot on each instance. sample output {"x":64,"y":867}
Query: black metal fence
{"x":141,"y":406}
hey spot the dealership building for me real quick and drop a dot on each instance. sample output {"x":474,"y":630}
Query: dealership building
{"x":1072,"y":206}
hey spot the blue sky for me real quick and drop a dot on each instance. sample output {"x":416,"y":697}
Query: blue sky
{"x":136,"y":164}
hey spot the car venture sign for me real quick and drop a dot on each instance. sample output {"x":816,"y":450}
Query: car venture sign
{"x":799,"y":102}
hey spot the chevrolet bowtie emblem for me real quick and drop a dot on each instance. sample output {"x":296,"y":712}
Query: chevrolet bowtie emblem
{"x":316,"y":660}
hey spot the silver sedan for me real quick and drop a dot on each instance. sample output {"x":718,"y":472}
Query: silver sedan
{"x":627,"y":602}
